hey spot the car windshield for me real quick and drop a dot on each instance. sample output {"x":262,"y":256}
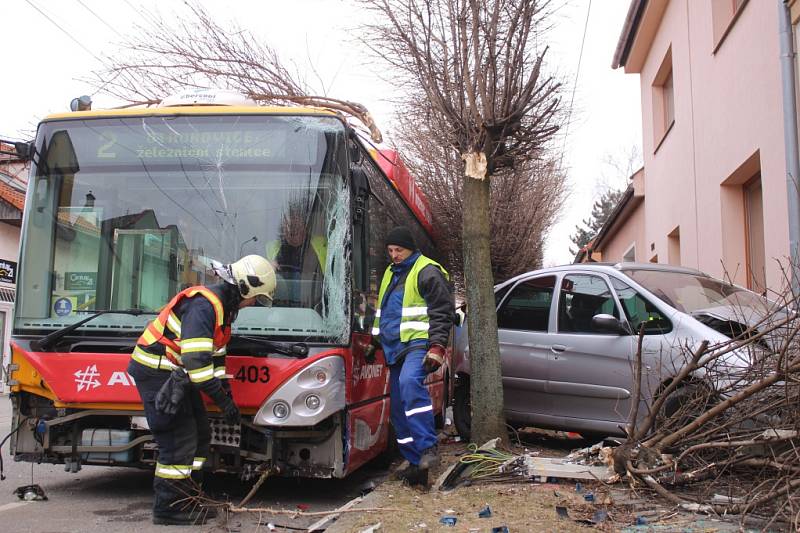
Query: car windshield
{"x":125,"y":212}
{"x":689,"y":292}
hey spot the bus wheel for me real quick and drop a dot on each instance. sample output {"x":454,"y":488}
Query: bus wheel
{"x":462,"y":409}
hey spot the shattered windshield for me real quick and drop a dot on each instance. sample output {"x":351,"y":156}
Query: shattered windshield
{"x":125,"y":212}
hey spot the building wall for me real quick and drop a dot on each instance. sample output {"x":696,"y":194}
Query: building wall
{"x":9,"y":242}
{"x":631,"y":233}
{"x":728,"y":124}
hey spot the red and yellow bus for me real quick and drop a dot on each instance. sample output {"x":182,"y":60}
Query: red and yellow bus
{"x":127,"y":207}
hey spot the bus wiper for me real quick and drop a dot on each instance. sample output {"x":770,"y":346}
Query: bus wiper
{"x":297,"y":349}
{"x":48,"y":340}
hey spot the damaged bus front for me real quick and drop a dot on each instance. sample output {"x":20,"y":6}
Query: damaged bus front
{"x":126,"y":208}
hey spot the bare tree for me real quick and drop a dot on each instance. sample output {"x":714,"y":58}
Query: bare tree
{"x":524,"y":200}
{"x":164,"y":57}
{"x":478,"y":66}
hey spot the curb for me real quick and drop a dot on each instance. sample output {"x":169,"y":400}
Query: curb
{"x":344,"y":524}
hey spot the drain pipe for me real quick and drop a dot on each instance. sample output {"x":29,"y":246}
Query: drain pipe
{"x":790,"y":141}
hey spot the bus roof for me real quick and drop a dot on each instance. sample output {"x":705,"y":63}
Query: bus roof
{"x":192,"y":110}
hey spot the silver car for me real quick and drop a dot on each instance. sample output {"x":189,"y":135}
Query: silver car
{"x":568,"y":338}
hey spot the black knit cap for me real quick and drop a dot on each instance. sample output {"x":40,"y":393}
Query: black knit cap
{"x":401,"y":236}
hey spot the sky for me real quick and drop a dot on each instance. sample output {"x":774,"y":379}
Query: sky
{"x":51,"y":45}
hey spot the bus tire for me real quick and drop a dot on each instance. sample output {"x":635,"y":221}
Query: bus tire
{"x":462,"y":409}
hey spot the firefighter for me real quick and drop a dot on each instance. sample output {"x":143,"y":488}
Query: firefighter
{"x":413,"y":325}
{"x":180,"y":354}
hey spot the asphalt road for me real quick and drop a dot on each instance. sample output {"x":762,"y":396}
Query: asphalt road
{"x":119,"y":499}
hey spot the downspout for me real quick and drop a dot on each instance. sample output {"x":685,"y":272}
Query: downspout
{"x":790,"y":140}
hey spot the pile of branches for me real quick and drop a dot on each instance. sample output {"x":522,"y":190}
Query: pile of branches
{"x":722,"y":436}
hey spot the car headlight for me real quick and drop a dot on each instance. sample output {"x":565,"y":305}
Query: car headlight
{"x":310,"y":396}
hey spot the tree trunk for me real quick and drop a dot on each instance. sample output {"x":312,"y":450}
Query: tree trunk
{"x":486,"y":385}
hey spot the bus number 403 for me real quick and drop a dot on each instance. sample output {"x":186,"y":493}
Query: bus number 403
{"x":253,"y":374}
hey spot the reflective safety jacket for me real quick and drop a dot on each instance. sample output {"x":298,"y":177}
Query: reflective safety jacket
{"x":426,"y":305}
{"x":319,"y":244}
{"x":190,"y":331}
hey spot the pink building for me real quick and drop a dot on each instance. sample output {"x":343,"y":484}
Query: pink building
{"x":712,"y":194}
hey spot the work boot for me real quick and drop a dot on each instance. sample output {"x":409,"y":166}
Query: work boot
{"x":406,"y":472}
{"x":418,"y":478}
{"x":429,"y":458}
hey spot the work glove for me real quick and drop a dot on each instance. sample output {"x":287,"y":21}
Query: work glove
{"x":226,"y":386}
{"x":369,"y":351}
{"x":231,"y":413}
{"x":214,"y":389}
{"x":434,"y":358}
{"x":171,"y":394}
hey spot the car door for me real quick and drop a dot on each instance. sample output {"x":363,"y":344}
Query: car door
{"x":523,"y":319}
{"x":590,"y":373}
{"x":658,"y":340}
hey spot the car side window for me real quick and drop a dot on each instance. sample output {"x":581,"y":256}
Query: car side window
{"x":528,"y":305}
{"x":639,"y":311}
{"x":581,"y":297}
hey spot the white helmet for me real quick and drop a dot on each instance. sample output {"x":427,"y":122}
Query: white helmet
{"x":255,"y":277}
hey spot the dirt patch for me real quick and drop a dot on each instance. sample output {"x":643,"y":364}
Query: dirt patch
{"x":520,"y":506}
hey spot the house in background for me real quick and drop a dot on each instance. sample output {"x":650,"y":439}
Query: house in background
{"x":712,"y":194}
{"x":13,"y":182}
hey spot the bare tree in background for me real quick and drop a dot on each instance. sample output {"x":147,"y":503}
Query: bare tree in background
{"x":524,"y":200}
{"x":165,"y":57}
{"x":478,"y":66}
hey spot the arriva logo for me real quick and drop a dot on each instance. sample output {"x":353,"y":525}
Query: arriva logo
{"x":90,"y":379}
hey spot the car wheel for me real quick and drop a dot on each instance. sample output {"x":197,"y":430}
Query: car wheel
{"x":682,"y":406}
{"x":462,"y":409}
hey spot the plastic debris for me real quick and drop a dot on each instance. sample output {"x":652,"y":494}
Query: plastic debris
{"x":578,"y":487}
{"x":486,"y":512}
{"x":599,"y":516}
{"x":448,"y":520}
{"x":500,"y":529}
{"x":589,"y":497}
{"x":303,"y":507}
{"x":373,"y":528}
{"x":641,"y":521}
{"x":31,"y":493}
{"x":271,"y":526}
{"x":561,"y":511}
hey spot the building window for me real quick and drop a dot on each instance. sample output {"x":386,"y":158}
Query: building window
{"x":724,"y":14}
{"x":754,"y":233}
{"x":630,"y":255}
{"x":674,"y":247}
{"x":663,"y":100}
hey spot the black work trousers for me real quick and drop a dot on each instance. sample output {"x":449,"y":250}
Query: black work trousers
{"x":183,"y":441}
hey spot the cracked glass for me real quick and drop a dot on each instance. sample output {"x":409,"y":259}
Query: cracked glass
{"x":125,"y":212}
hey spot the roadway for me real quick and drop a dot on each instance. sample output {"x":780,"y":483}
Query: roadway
{"x":106,"y":499}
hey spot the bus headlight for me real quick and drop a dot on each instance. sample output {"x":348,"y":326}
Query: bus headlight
{"x":310,"y":396}
{"x":281,"y":410}
{"x":313,"y":402}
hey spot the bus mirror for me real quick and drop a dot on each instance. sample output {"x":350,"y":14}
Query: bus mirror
{"x":24,"y":150}
{"x":60,"y":155}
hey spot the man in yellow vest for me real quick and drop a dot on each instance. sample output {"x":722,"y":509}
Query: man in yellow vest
{"x":180,"y":354}
{"x":413,"y":322}
{"x":290,"y":254}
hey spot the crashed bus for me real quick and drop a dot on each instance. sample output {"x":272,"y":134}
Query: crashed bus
{"x":127,"y":207}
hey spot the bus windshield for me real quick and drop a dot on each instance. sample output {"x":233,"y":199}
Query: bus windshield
{"x":125,"y":212}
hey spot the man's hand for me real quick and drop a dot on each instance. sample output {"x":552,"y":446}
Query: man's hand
{"x":434,"y":358}
{"x":369,"y":351}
